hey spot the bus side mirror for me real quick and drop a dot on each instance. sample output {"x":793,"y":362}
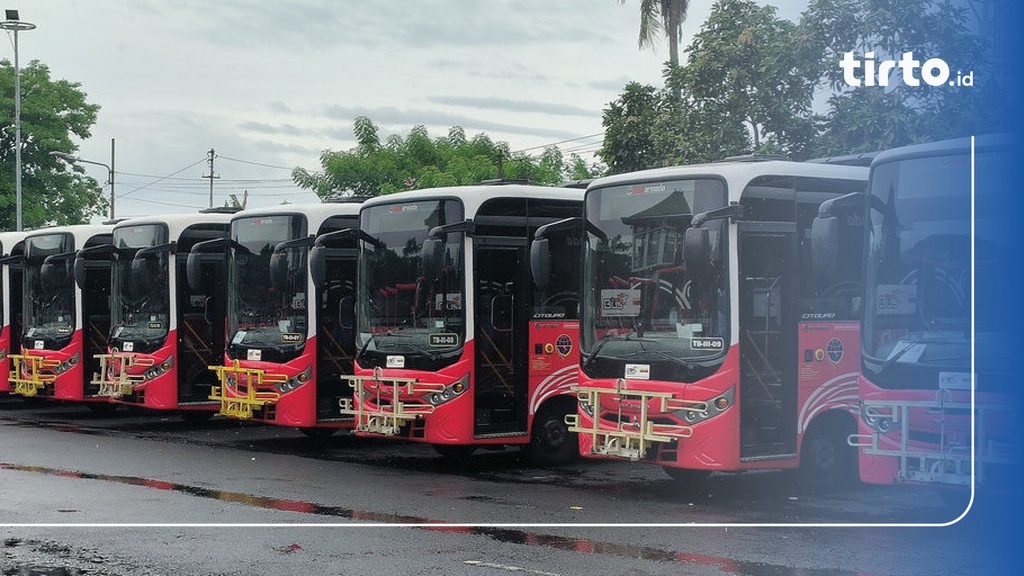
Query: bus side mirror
{"x":278,"y":269}
{"x":540,"y":263}
{"x":433,"y":256}
{"x":80,"y":272}
{"x":318,"y":264}
{"x":194,"y":272}
{"x":55,"y":274}
{"x":825,"y":246}
{"x":697,"y":248}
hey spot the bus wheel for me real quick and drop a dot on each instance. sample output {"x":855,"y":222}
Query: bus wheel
{"x":826,"y":460}
{"x":687,"y":475}
{"x":551,"y":442}
{"x":455,"y":452}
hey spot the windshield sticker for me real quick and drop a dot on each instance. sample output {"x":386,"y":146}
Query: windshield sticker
{"x":638,"y":371}
{"x":254,"y":354}
{"x":454,"y":301}
{"x":128,"y":346}
{"x":444,"y":340}
{"x":395,"y":362}
{"x":896,"y":299}
{"x":39,"y":345}
{"x":619,"y":302}
{"x":239,"y":337}
{"x":403,"y":209}
{"x":954,"y":380}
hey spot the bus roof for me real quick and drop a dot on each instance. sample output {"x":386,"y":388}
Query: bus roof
{"x":176,"y":223}
{"x":474,"y":196}
{"x":736,"y":173}
{"x":316,"y":214}
{"x":8,"y":240}
{"x":944,"y":148}
{"x":82,"y":233}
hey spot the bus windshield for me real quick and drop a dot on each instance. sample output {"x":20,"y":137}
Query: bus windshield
{"x":49,"y":290}
{"x":140,"y":290}
{"x":917,"y":324}
{"x":406,"y":309}
{"x":643,"y":302}
{"x":263,"y":315}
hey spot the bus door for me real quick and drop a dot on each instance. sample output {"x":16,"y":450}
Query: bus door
{"x":767,"y":336}
{"x":502,"y":303}
{"x":95,"y":315}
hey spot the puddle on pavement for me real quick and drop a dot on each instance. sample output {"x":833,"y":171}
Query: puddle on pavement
{"x":505,"y":535}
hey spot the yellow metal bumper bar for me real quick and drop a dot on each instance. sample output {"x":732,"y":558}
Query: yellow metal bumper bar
{"x":386,"y":419}
{"x":251,"y":383}
{"x":948,"y":464}
{"x":120,"y":384}
{"x":633,"y":438}
{"x":37,"y":379}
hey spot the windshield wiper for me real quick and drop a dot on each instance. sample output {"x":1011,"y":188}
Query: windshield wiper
{"x":608,"y":338}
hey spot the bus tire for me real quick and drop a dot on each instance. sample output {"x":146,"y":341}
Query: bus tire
{"x":826,"y":460}
{"x":551,"y":442}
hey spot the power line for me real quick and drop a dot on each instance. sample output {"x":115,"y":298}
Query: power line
{"x":163,"y":178}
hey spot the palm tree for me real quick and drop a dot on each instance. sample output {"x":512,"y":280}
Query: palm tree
{"x":657,"y":16}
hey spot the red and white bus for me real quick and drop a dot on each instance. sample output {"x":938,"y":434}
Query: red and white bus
{"x":286,"y":348}
{"x":707,"y":344}
{"x":457,"y":346}
{"x":163,"y":333}
{"x":64,"y":325}
{"x":936,"y":395}
{"x":11,"y":247}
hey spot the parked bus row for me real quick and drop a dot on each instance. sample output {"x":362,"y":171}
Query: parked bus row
{"x":701,"y":318}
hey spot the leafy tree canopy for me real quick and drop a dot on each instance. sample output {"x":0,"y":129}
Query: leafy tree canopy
{"x":52,"y":113}
{"x":374,"y":168}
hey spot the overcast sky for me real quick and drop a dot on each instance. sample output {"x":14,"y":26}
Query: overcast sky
{"x":271,"y":85}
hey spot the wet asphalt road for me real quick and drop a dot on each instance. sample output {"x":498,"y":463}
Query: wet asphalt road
{"x":229,"y":497}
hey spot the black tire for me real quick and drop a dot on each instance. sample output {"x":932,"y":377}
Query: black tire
{"x":551,"y":442}
{"x":827,"y":461}
{"x":455,"y":452}
{"x":686,"y":475}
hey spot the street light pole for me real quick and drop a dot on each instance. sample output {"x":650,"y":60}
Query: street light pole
{"x":110,"y":169}
{"x":15,"y":24}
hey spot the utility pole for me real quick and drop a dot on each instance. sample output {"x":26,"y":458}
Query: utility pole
{"x":211,"y":175}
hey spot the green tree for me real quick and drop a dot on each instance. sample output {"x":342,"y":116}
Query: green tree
{"x":629,"y":130}
{"x":748,"y":66}
{"x":747,"y":87}
{"x":52,"y":113}
{"x":374,"y":168}
{"x":868,"y":118}
{"x":662,"y":17}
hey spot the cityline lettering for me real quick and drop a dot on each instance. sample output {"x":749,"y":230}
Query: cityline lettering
{"x":934,"y":71}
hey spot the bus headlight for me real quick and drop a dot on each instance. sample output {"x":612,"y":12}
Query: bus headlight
{"x":295,"y":381}
{"x":450,"y":391}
